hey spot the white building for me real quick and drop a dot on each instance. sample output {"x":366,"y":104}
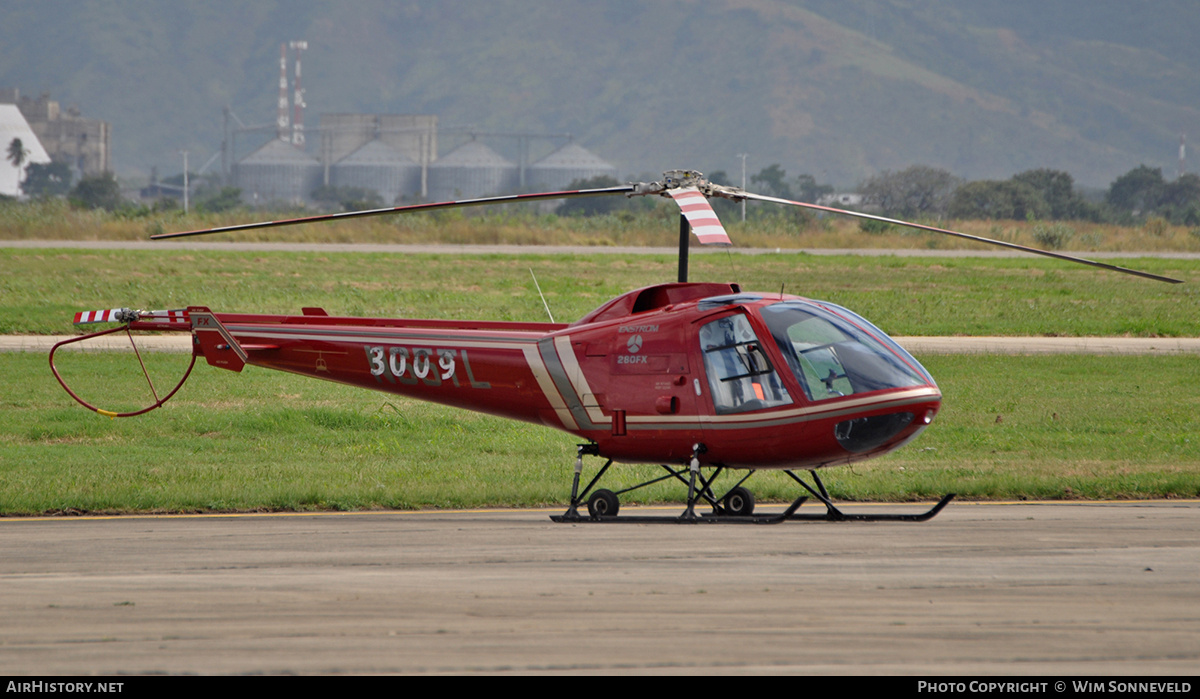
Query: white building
{"x":13,"y":125}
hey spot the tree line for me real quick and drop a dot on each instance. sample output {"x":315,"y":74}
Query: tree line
{"x":920,"y":191}
{"x":1041,"y":194}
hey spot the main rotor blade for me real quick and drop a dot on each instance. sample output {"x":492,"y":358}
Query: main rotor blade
{"x":502,"y":199}
{"x":967,"y":236}
{"x":700,"y":216}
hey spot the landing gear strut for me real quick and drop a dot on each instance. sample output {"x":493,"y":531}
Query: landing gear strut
{"x":735,"y":506}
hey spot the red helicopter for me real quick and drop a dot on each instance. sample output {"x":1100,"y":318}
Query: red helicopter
{"x":700,"y":378}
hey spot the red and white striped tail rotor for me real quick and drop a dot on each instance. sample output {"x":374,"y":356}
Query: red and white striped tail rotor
{"x":126,"y":315}
{"x":112,"y":315}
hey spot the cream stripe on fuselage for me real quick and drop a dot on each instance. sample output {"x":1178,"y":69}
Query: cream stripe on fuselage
{"x":566,"y":355}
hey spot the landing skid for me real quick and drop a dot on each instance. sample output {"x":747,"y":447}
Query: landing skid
{"x":734,"y":507}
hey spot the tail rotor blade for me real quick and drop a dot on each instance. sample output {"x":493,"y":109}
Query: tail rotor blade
{"x":966,"y":236}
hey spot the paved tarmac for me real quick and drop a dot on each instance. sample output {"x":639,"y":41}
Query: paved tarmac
{"x":1048,"y":589}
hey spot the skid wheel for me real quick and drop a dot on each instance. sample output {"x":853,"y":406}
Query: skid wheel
{"x":603,"y":503}
{"x":739,"y":502}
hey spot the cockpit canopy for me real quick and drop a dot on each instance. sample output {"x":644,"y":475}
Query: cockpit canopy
{"x":834,"y":352}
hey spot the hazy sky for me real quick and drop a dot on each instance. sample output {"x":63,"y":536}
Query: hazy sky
{"x":841,"y":90}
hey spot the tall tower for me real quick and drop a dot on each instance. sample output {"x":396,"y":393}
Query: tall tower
{"x":281,"y":121}
{"x":1182,"y":154}
{"x":298,"y":98}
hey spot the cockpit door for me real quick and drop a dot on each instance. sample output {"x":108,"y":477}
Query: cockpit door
{"x":739,"y":375}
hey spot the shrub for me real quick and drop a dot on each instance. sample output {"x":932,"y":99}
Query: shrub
{"x":872,"y":226}
{"x":1054,"y":236}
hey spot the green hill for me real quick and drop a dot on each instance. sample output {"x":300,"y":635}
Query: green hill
{"x":841,"y":89}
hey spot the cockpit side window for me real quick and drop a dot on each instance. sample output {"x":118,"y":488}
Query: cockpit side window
{"x":740,"y":376}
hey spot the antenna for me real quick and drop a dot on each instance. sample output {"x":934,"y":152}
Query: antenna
{"x":743,"y":157}
{"x":298,"y":97}
{"x":539,"y":290}
{"x":281,"y":121}
{"x":185,"y":181}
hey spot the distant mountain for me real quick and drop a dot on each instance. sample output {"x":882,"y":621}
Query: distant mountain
{"x":841,"y":89}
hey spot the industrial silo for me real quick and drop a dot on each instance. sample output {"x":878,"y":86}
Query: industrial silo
{"x":558,"y":170}
{"x":381,"y":168}
{"x":471,"y":170}
{"x":278,"y":171}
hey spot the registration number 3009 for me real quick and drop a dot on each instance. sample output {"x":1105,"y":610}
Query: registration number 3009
{"x":410,"y":365}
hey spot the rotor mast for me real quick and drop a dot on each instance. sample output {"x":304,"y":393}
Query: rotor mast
{"x":690,"y":191}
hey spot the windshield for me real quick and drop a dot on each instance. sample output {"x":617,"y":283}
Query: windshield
{"x":833,"y":357}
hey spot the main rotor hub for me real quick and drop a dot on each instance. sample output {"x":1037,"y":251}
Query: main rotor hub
{"x":681,"y":179}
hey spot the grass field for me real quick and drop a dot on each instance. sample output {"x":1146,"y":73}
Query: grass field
{"x":41,"y":290}
{"x":1011,"y":427}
